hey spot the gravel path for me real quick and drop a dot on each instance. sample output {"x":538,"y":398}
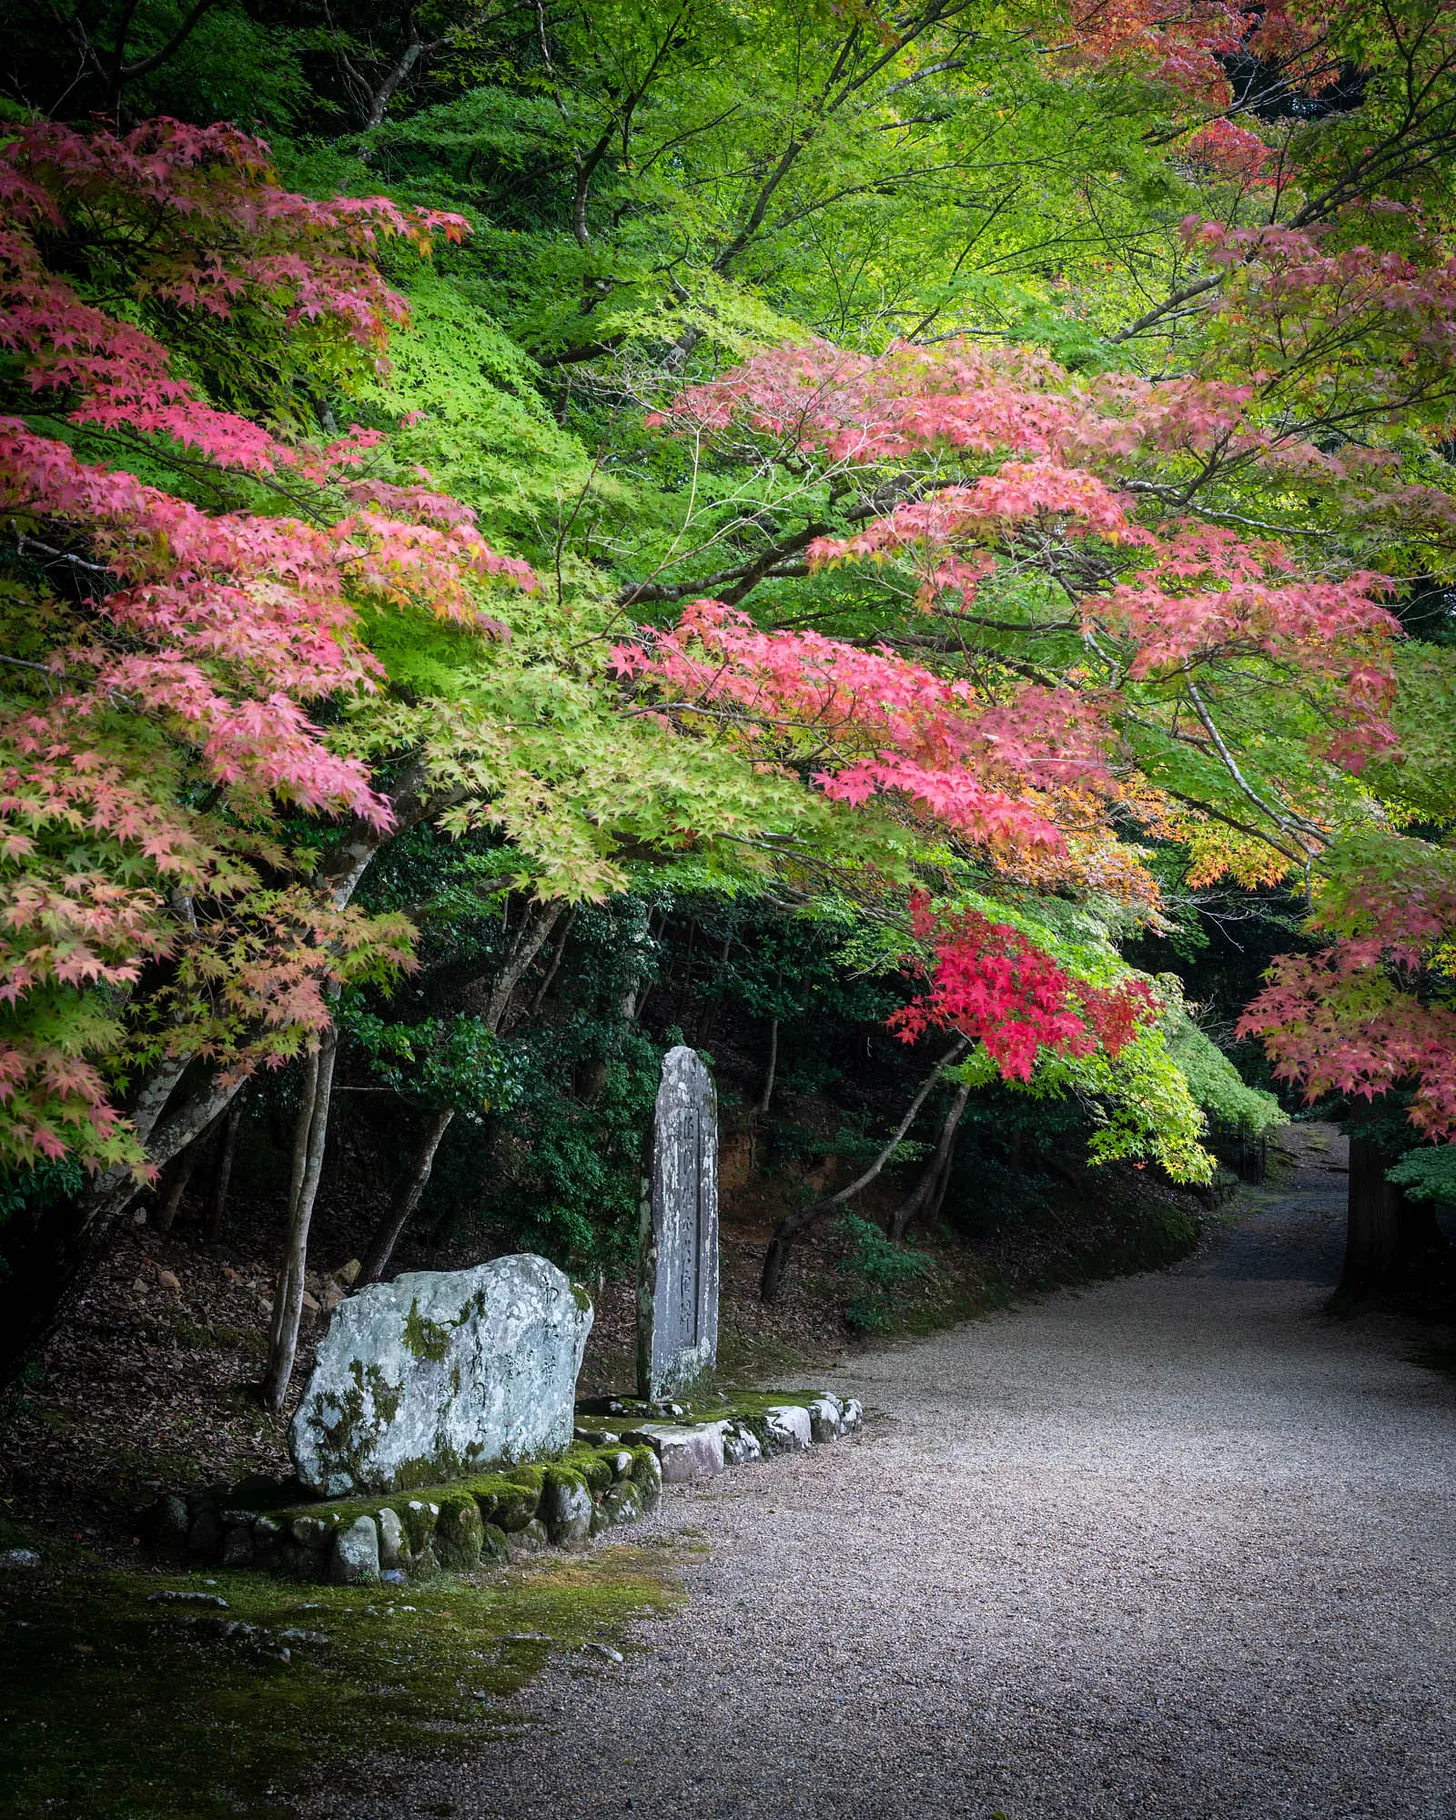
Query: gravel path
{"x":1176,"y":1546}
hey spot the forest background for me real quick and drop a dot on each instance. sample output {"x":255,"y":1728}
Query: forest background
{"x":906,"y":547}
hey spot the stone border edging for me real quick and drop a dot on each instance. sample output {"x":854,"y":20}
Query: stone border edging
{"x":606,"y":1479}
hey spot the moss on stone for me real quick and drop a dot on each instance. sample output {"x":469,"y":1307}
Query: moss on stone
{"x":647,"y":1474}
{"x":418,"y":1516}
{"x":424,"y":1338}
{"x":594,"y":1465}
{"x":459,"y":1531}
{"x":505,"y":1502}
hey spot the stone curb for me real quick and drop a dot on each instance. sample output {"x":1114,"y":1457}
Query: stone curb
{"x":612,"y":1480}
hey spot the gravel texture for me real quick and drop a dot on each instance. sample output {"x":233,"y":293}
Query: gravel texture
{"x":1174,"y":1546}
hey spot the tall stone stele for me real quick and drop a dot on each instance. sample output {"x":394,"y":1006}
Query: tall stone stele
{"x":677,"y":1283}
{"x":441,"y":1373}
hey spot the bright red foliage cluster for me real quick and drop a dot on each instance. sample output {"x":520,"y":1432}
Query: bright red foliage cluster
{"x":199,"y":637}
{"x":890,"y":724}
{"x":1073,"y":476}
{"x":991,"y":984}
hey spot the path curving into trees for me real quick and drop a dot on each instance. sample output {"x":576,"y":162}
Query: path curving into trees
{"x":1178,"y":1546}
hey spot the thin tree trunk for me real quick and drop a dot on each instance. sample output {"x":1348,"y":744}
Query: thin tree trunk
{"x":802,"y":1218}
{"x":308,"y":1159}
{"x":931,"y":1185}
{"x":942,"y":1187}
{"x":536,"y":925}
{"x":224,"y":1174}
{"x":555,"y":967}
{"x":380,"y":1248}
{"x":183,"y":1170}
{"x":765,"y":1099}
{"x":535,"y":929}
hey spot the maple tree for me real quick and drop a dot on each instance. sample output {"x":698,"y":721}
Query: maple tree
{"x":161,"y":722}
{"x":1017,"y":620}
{"x":1165,"y":606}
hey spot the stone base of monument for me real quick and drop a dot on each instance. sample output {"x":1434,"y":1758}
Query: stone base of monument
{"x":612,"y":1476}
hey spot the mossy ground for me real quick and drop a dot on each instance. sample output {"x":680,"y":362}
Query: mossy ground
{"x":119,"y":1709}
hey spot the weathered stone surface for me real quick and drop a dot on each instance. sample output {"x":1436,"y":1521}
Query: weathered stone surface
{"x":419,"y":1523}
{"x":459,"y":1532}
{"x":851,"y":1414}
{"x":237,"y":1547}
{"x":438,"y":1373}
{"x":788,"y":1427}
{"x":647,"y":1473}
{"x":392,"y":1543}
{"x":566,"y":1507}
{"x":622,"y":1464}
{"x":684,"y":1452}
{"x":11,"y":1558}
{"x":354,"y":1558}
{"x":677,"y":1288}
{"x":740,"y":1445}
{"x":624,"y":1503}
{"x":528,"y":1541}
{"x":824,"y":1419}
{"x":511,"y":1505}
{"x":309,"y":1532}
{"x":168,"y":1522}
{"x":204,"y":1540}
{"x":267,"y":1538}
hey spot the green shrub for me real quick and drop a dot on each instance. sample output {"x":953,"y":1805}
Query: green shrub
{"x":880,"y":1271}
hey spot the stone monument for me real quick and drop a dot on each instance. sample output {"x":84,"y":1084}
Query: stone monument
{"x":677,"y":1283}
{"x":441,"y":1373}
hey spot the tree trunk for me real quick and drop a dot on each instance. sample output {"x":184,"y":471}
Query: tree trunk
{"x":183,"y":1170}
{"x":308,"y":1158}
{"x":1385,"y":1234}
{"x":931,"y":1186}
{"x":224,"y":1174}
{"x":802,"y":1218}
{"x":1372,"y":1231}
{"x":766,"y":1098}
{"x":554,"y":968}
{"x":535,"y":930}
{"x":380,"y":1248}
{"x":536,"y":926}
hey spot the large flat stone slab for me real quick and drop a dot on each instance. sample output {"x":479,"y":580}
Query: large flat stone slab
{"x":685,"y":1451}
{"x":440,"y":1373}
